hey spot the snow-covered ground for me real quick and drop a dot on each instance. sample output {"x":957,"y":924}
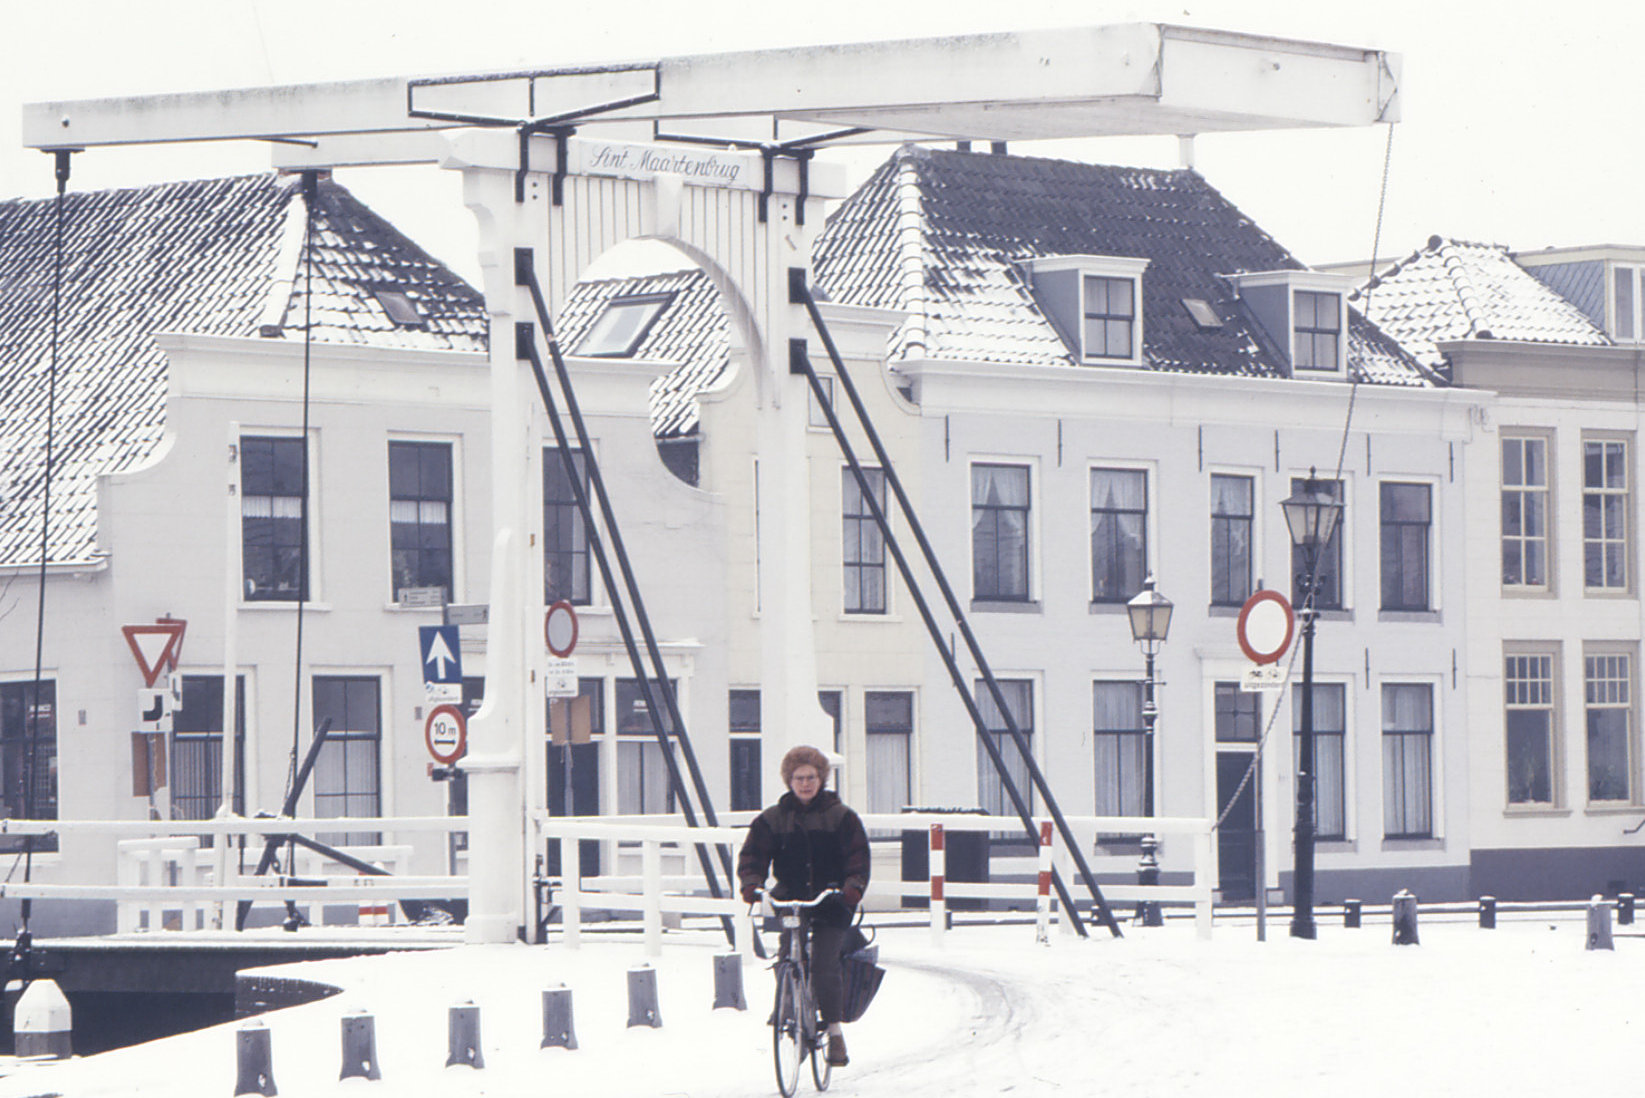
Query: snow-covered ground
{"x":1521,"y":1010}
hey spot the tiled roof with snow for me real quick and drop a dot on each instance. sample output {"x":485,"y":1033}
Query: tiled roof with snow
{"x":692,"y":331}
{"x":214,"y":257}
{"x":1456,"y":289}
{"x":946,"y":236}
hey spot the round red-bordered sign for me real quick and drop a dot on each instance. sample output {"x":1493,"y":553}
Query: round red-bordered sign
{"x":446,"y":733}
{"x":560,"y":628}
{"x":1266,"y":625}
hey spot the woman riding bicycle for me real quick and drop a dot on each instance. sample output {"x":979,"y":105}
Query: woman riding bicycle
{"x":810,"y":841}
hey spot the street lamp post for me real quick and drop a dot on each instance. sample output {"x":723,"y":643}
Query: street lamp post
{"x":1311,"y":514}
{"x":1150,"y":614}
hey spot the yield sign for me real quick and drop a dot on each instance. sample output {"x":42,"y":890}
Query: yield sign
{"x":155,"y":646}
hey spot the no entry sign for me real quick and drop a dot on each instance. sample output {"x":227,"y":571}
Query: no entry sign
{"x":1266,"y":625}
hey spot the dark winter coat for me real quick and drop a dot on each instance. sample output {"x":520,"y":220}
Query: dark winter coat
{"x":808,"y":848}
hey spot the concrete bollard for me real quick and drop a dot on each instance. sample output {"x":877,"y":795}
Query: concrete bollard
{"x":728,"y":982}
{"x":254,"y":1058}
{"x":1487,"y":913}
{"x":42,"y":1022}
{"x":1599,"y":924}
{"x":463,"y":1036}
{"x":1625,"y":909}
{"x":557,"y":1028}
{"x":642,"y":998}
{"x":1405,"y":918}
{"x":360,"y":1048}
{"x":1350,"y":914}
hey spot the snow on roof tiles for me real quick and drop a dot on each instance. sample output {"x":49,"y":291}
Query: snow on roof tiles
{"x":947,"y":235}
{"x":213,"y":257}
{"x":692,"y":331}
{"x":1457,"y":289}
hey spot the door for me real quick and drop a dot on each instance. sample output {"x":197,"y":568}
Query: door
{"x":1237,"y":837}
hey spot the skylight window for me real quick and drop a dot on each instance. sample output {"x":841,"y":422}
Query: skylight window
{"x":623,"y":326}
{"x":1205,"y":317}
{"x":401,"y":312}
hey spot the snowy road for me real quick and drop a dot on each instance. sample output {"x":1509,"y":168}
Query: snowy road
{"x":1523,"y":1010}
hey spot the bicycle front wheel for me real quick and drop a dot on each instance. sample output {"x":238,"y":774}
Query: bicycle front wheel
{"x":787,"y":1040}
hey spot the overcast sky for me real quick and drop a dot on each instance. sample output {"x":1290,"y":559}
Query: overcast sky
{"x":1521,"y":117}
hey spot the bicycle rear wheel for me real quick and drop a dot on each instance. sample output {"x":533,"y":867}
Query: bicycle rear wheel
{"x":787,"y":1040}
{"x":821,"y":1069}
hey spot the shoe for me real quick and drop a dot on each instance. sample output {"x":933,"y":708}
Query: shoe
{"x":836,"y":1051}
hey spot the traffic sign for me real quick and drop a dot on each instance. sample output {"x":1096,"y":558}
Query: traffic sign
{"x":1266,"y":626}
{"x":441,"y":653}
{"x":560,"y":628}
{"x":446,"y":733}
{"x":560,"y":678}
{"x":1264,"y":678}
{"x":155,"y":646}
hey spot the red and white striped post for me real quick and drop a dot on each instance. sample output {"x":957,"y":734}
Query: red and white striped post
{"x":373,"y":912}
{"x":1042,"y":898}
{"x":939,"y":870}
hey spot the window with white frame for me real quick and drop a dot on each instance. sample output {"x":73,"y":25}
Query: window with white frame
{"x":1407,"y":520}
{"x":348,"y":769}
{"x":419,"y":517}
{"x":642,"y":771}
{"x":1605,"y":520}
{"x":888,"y":727}
{"x":28,"y":758}
{"x":272,"y":491}
{"x":1330,"y":720}
{"x":1316,"y":330}
{"x":1532,"y":727}
{"x":864,"y":545}
{"x":1525,"y":512}
{"x":565,"y":538}
{"x":744,"y":721}
{"x":1232,"y":514}
{"x":1119,"y":533}
{"x":1000,"y":503}
{"x":1019,"y":702}
{"x":1108,"y":310}
{"x":1607,"y":683}
{"x":1407,"y":760}
{"x":1120,"y":740}
{"x":1237,"y":714}
{"x":197,"y":748}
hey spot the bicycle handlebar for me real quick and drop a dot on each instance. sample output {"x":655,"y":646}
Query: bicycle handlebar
{"x":797,"y":904}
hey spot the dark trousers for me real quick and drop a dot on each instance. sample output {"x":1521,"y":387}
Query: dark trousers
{"x":827,"y":978}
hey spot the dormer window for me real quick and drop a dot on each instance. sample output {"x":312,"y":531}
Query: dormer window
{"x":1316,"y":333}
{"x":623,"y":326}
{"x":1304,"y":312}
{"x":1095,"y":302}
{"x":1110,"y":308}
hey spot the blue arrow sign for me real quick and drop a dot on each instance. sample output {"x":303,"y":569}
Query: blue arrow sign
{"x":441,"y":654}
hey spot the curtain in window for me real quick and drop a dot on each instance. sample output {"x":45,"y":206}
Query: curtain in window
{"x":1407,"y":713}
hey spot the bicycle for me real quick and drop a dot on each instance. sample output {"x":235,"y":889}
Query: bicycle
{"x":797,"y":1030}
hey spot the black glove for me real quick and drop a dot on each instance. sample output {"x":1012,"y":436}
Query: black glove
{"x":852,"y":895}
{"x":751,"y":894}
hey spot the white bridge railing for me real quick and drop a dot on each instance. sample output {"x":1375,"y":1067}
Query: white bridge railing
{"x":652,"y":893}
{"x":166,"y":877}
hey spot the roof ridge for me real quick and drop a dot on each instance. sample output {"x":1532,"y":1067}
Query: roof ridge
{"x":910,"y":243}
{"x":288,"y":257}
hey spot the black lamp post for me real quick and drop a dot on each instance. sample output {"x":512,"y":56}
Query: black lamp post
{"x":1150,"y":614}
{"x":1311,"y":513}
